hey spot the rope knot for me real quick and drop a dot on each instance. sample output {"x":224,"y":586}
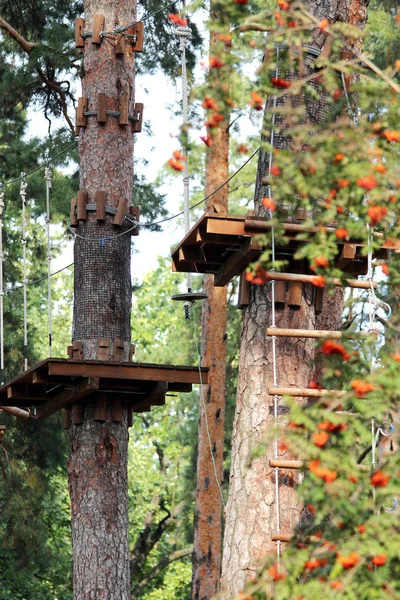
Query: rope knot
{"x":47,"y":173}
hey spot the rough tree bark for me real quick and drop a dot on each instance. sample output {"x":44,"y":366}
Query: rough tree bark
{"x":251,"y":511}
{"x":208,"y":510}
{"x":97,"y":468}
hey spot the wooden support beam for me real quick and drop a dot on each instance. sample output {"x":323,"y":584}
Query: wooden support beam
{"x":244,"y":291}
{"x":68,"y":397}
{"x":315,"y":333}
{"x":134,"y":211}
{"x":82,"y":201}
{"x":353,"y":283}
{"x":79,"y":27}
{"x":346,"y":256}
{"x":102,"y":108}
{"x":16,"y":412}
{"x":319,"y":300}
{"x":116,"y":410}
{"x":100,"y":408}
{"x":304,"y":392}
{"x":81,"y":120}
{"x":138,"y":30}
{"x":225,"y":226}
{"x":67,"y":418}
{"x":249,"y":252}
{"x":130,"y":416}
{"x":77,"y":350}
{"x":103,"y":349}
{"x":77,"y":414}
{"x":119,"y":47}
{"x":287,"y":464}
{"x":98,"y":26}
{"x":280,"y":292}
{"x":123,"y":109}
{"x":295,"y":294}
{"x":100,"y":199}
{"x":138,"y":114}
{"x":122,"y":209}
{"x":118,"y":351}
{"x":21,"y":394}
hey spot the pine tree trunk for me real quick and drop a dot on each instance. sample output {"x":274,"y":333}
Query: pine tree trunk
{"x":208,"y":510}
{"x":251,"y":515}
{"x":97,"y":468}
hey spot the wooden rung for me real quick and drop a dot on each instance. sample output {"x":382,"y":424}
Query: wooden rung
{"x":315,"y":333}
{"x":281,"y":537}
{"x":79,"y":27}
{"x":299,"y":277}
{"x":73,"y":221}
{"x":98,"y":26}
{"x":287,"y":464}
{"x":123,"y":109}
{"x":100,"y":198}
{"x":119,"y":47}
{"x":138,"y":114}
{"x":82,"y":201}
{"x":304,"y":392}
{"x":81,"y":120}
{"x":102,"y":108}
{"x":122,"y":209}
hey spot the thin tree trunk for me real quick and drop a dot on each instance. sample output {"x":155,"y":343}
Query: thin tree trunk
{"x":208,"y":511}
{"x":251,"y":515}
{"x":97,"y":468}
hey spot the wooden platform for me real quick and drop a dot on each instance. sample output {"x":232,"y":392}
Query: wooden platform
{"x":58,"y":383}
{"x":225,"y":245}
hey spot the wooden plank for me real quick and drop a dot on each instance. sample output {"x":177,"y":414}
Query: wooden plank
{"x":138,"y":114}
{"x":319,"y":300}
{"x":73,"y":221}
{"x":77,"y":414}
{"x":100,"y":199}
{"x":179,"y":387}
{"x":119,"y":350}
{"x":98,"y":26}
{"x":346,"y":256}
{"x":134,"y":211}
{"x":81,"y":120}
{"x":127,"y":371}
{"x":237,"y":262}
{"x":77,"y":350}
{"x":138,"y":30}
{"x":20,"y":394}
{"x":122,"y":209}
{"x":353,"y":283}
{"x":100,"y":408}
{"x":68,"y":397}
{"x":295,"y":294}
{"x":82,"y":201}
{"x":244,"y":291}
{"x":79,"y":27}
{"x":123,"y":109}
{"x":103,"y":349}
{"x":226,"y":226}
{"x":119,"y":47}
{"x":280,"y":292}
{"x":102,"y":108}
{"x":67,"y":418}
{"x":117,"y":410}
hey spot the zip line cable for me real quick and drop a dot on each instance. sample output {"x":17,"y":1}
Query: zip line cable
{"x":1,"y":292}
{"x":47,"y":177}
{"x":24,"y":263}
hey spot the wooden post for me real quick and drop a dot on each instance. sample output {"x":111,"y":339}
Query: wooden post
{"x":100,"y":198}
{"x":98,"y":25}
{"x":101,"y":108}
{"x":122,"y":209}
{"x":82,"y":201}
{"x":79,"y":27}
{"x":77,"y":414}
{"x":100,"y":409}
{"x":138,"y":114}
{"x":123,"y":109}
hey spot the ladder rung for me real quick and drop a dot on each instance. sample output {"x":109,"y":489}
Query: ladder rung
{"x":286,"y":464}
{"x":314,"y":333}
{"x":353,"y":283}
{"x":281,"y":537}
{"x":304,"y":392}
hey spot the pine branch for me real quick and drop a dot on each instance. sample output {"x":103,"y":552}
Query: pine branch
{"x":12,"y":33}
{"x":164,"y":562}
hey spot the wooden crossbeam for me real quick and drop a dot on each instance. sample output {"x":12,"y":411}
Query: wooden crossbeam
{"x":249,"y":252}
{"x":281,"y":537}
{"x":315,"y":333}
{"x":304,"y":392}
{"x":70,"y":397}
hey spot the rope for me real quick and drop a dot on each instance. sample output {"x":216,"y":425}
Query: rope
{"x":184,"y":34}
{"x":43,"y":165}
{"x":47,"y":176}
{"x":25,"y":281}
{"x":273,"y":325}
{"x":1,"y":292}
{"x":204,"y":409}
